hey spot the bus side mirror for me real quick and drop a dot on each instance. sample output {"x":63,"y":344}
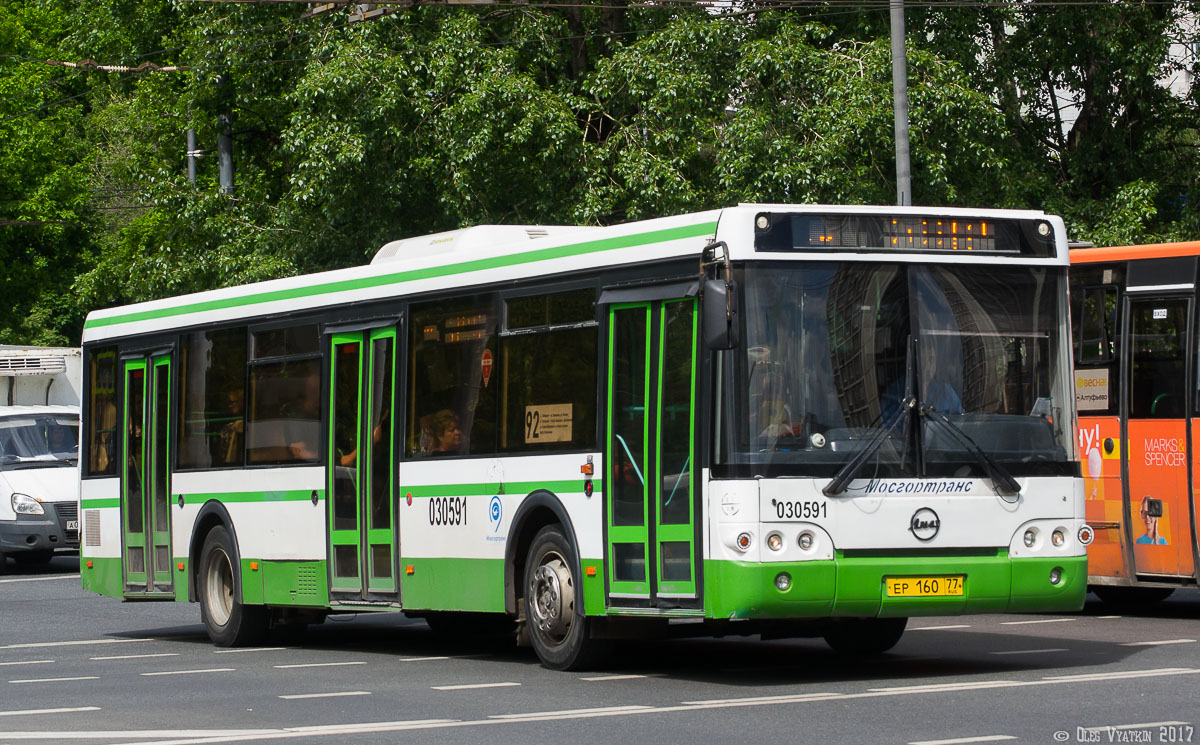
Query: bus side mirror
{"x":718,"y":311}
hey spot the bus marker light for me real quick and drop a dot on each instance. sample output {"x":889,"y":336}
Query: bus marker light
{"x":1055,"y":575}
{"x":590,"y":571}
{"x":805,"y":541}
{"x":253,"y":566}
{"x":743,"y":541}
{"x":409,"y":498}
{"x":180,"y":566}
{"x":1030,"y":538}
{"x":587,"y":469}
{"x":408,"y":569}
{"x":1086,"y":535}
{"x":783,"y":581}
{"x":89,"y":564}
{"x":1058,"y":538}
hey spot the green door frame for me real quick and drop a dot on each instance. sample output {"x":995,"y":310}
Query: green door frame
{"x":362,"y":553}
{"x":651,"y":554}
{"x":146,"y":478}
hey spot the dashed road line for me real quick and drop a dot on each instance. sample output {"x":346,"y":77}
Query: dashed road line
{"x":39,"y":579}
{"x":26,"y":662}
{"x":1032,"y":651}
{"x":319,"y":664}
{"x":190,"y":672}
{"x":471,"y":686}
{"x":78,"y":643}
{"x":1039,"y":620}
{"x":422,"y":659}
{"x":335,"y":694}
{"x":941,"y":628}
{"x":601,"y":678}
{"x":34,"y":712}
{"x":1157,"y":643}
{"x":248,"y":649}
{"x":569,"y":712}
{"x":55,"y":680}
{"x":134,"y":656}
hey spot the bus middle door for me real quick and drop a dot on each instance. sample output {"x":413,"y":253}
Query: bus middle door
{"x":146,"y":477}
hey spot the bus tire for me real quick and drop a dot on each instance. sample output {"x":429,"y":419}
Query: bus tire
{"x":228,"y":621}
{"x":864,"y":637}
{"x":553,"y":598}
{"x":1132,"y":597}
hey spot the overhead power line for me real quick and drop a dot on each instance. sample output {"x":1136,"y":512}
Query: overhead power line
{"x":91,"y":64}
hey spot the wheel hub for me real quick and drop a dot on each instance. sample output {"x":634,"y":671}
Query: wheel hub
{"x":553,"y":596}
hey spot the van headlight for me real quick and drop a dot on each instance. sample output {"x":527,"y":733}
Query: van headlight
{"x":23,"y":504}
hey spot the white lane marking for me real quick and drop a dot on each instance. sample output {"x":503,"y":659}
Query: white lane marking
{"x":31,"y":712}
{"x":599,"y":678}
{"x":939,"y":628}
{"x":964,"y":686}
{"x":1107,"y":616}
{"x":1155,"y":644}
{"x":318,"y":664}
{"x":1032,"y":651}
{"x":143,"y":733}
{"x":135,"y":656}
{"x":985,"y":738}
{"x":1143,"y":725}
{"x":191,"y":672}
{"x":26,"y":662}
{"x":326,"y":695}
{"x":39,"y":579}
{"x":217,"y":736}
{"x":81,"y":642}
{"x":248,"y":649}
{"x":421,"y":659}
{"x":470,"y":686}
{"x":568,"y":712}
{"x":55,"y":680}
{"x":960,"y":740}
{"x":1122,"y":675}
{"x":1040,"y":620}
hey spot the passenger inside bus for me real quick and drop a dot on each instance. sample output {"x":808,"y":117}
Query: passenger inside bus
{"x":440,"y":433}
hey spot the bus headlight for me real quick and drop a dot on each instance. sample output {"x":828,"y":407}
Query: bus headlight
{"x":1058,"y":538}
{"x":1055,"y":575}
{"x":1030,"y":537}
{"x":23,"y":504}
{"x":775,"y":542}
{"x":1086,"y":535}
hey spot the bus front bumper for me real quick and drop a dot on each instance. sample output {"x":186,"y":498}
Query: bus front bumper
{"x":857,"y":587}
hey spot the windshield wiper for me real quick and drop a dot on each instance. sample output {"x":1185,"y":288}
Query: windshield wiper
{"x":1002,"y":480}
{"x":842,"y":479}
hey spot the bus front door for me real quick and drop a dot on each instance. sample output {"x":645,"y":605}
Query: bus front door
{"x":650,"y":484}
{"x":1159,"y":532}
{"x":146,"y":478}
{"x":361,"y":481}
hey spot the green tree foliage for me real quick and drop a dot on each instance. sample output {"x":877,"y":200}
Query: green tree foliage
{"x":349,"y":134}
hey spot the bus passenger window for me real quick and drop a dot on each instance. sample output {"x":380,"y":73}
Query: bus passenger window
{"x":102,"y":403}
{"x":213,"y":379}
{"x":452,"y":381}
{"x":283,"y":422}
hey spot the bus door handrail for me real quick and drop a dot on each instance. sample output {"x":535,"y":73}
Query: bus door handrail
{"x":629,"y":455}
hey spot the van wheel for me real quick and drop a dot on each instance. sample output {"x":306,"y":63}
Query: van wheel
{"x":34,"y":557}
{"x":864,"y":637}
{"x":3,"y":561}
{"x":228,"y":621}
{"x":553,"y":598}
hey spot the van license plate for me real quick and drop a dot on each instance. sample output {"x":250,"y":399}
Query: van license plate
{"x":72,"y":525}
{"x":925,"y":587}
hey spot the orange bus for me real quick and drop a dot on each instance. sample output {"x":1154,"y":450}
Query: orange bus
{"x":1137,"y":391}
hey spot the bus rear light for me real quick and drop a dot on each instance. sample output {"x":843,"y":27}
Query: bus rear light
{"x":744,"y":540}
{"x":1086,"y":535}
{"x":1058,"y":538}
{"x":1030,"y":537}
{"x":775,"y":542}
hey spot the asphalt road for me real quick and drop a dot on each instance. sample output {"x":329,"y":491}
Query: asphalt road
{"x":75,"y":667}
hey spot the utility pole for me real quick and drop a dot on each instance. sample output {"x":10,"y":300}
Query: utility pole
{"x":900,"y":104}
{"x":225,"y":137}
{"x":192,"y":155}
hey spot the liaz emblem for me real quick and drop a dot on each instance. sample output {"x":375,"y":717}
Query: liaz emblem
{"x":924,"y":524}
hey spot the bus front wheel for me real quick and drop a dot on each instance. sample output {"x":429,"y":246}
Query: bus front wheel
{"x":553,"y":601}
{"x":865,"y":636}
{"x":228,"y":621}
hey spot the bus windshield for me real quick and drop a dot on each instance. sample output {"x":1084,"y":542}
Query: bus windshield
{"x":906,"y":359}
{"x":38,"y":441}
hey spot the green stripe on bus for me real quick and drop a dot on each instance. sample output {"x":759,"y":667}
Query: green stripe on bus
{"x":239,"y":497}
{"x":475,"y":265}
{"x":96,"y":504}
{"x":482,"y":490}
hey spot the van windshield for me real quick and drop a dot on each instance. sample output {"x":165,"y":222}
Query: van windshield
{"x":38,"y":440}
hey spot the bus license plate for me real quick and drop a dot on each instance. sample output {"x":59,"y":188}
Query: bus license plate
{"x":924,"y":587}
{"x":72,"y":525}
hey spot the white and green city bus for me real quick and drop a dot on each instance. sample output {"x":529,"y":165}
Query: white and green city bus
{"x":775,"y":419}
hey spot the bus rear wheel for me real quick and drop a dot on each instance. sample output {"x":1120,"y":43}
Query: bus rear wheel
{"x":228,"y":621}
{"x":1132,"y":597}
{"x":864,"y":637}
{"x":553,"y":601}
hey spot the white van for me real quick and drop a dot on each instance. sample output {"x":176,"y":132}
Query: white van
{"x":39,"y":453}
